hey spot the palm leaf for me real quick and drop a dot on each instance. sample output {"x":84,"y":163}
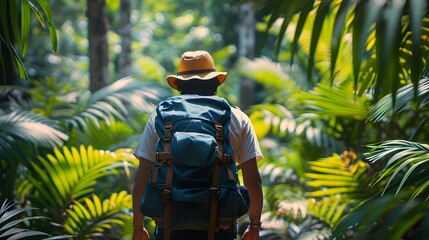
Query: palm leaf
{"x":322,"y":11}
{"x":94,"y":217}
{"x":266,"y":72}
{"x":44,"y":4}
{"x":70,"y":174}
{"x":365,"y":15}
{"x":74,"y":108}
{"x":330,"y":209}
{"x":326,"y":101}
{"x":305,"y":12}
{"x":12,"y":221}
{"x":388,"y":43}
{"x":118,"y":100}
{"x":276,"y":119}
{"x":417,"y":12}
{"x":313,"y":229}
{"x":386,"y":217}
{"x":104,"y":135}
{"x":338,"y":30}
{"x":274,"y":174}
{"x":283,"y":9}
{"x":337,"y":175}
{"x":20,"y":131}
{"x":384,"y":109}
{"x":286,"y":202}
{"x":13,"y":33}
{"x":278,"y":82}
{"x":404,"y":163}
{"x":385,"y":18}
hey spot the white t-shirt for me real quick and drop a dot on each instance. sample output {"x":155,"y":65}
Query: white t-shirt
{"x":241,"y":134}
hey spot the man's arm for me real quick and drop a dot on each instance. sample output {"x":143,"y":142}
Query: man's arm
{"x":140,"y":181}
{"x":253,"y":182}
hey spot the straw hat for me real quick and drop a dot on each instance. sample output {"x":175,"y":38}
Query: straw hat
{"x":196,"y":65}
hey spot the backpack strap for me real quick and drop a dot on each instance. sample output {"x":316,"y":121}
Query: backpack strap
{"x":166,"y":158}
{"x":223,"y":159}
{"x":166,"y":193}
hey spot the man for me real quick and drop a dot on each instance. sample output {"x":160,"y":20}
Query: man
{"x":197,"y":75}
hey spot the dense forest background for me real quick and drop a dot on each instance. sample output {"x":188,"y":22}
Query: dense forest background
{"x":338,"y":93}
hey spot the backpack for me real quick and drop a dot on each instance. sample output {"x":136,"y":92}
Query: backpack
{"x":194,"y":183}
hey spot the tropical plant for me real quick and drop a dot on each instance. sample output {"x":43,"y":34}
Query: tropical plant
{"x":311,"y":191}
{"x":13,"y":13}
{"x":388,"y":43}
{"x":312,"y":207}
{"x":65,"y":186}
{"x":399,"y":209}
{"x":12,"y":223}
{"x":56,"y":113}
{"x":77,"y":108}
{"x":338,"y":214}
{"x":26,"y":131}
{"x":409,"y":116}
{"x":344,"y":96}
{"x":95,"y":218}
{"x":23,"y":135}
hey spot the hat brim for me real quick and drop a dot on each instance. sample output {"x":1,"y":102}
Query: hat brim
{"x":172,"y":79}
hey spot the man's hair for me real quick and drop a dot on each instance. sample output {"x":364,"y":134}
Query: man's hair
{"x":197,"y":86}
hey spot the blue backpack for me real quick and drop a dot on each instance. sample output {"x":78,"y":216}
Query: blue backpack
{"x":194,"y":183}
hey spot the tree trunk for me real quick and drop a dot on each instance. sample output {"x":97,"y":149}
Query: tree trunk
{"x":98,"y":48}
{"x":246,"y":48}
{"x":125,"y":33}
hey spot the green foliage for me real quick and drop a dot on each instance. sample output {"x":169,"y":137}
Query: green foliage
{"x":62,"y":183}
{"x":404,"y":164}
{"x":387,"y":38}
{"x":12,"y":223}
{"x":338,"y":175}
{"x":405,"y":101}
{"x":71,"y":174}
{"x":325,"y":101}
{"x":7,"y":223}
{"x":398,"y":206}
{"x":409,"y":116}
{"x":96,"y":135}
{"x":119,"y":100}
{"x":329,"y":210}
{"x":94,"y":218}
{"x":22,"y":132}
{"x":10,"y":34}
{"x":386,"y":217}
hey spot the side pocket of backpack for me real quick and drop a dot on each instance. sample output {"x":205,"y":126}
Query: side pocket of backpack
{"x":151,"y":204}
{"x":234,"y":201}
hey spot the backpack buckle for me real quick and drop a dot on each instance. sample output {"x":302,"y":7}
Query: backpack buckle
{"x":167,"y":131}
{"x":166,"y":193}
{"x":219,"y":131}
{"x":224,"y":158}
{"x":214,"y":191}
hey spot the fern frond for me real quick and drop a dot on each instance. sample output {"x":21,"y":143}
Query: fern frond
{"x":71,"y":173}
{"x":93,"y":216}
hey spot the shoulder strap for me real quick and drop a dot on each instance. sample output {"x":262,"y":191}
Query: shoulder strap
{"x":166,"y":158}
{"x":221,"y":159}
